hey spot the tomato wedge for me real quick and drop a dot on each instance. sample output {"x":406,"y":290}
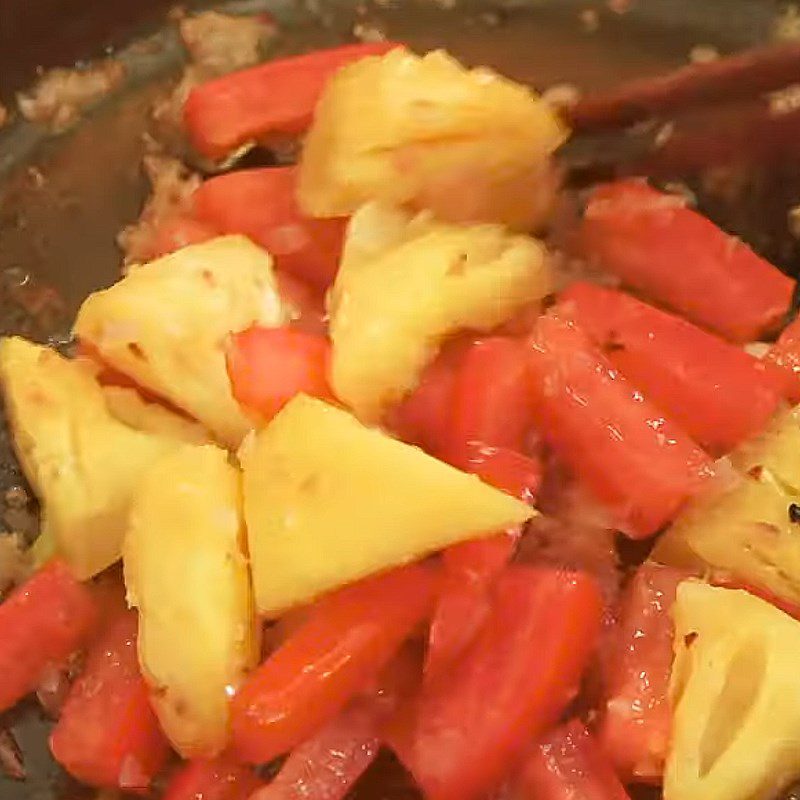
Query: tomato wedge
{"x":108,"y":735}
{"x":635,"y":461}
{"x":42,"y":622}
{"x":272,"y":99}
{"x":267,"y":367}
{"x":346,"y":639}
{"x":491,"y":399}
{"x":567,"y":764}
{"x":261,"y":204}
{"x":719,"y":394}
{"x":326,"y":766}
{"x":677,"y":257}
{"x":635,"y":716}
{"x":463,"y":733}
{"x":470,"y":568}
{"x":212,"y":779}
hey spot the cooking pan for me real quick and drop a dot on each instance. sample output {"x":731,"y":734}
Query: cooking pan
{"x":64,"y":198}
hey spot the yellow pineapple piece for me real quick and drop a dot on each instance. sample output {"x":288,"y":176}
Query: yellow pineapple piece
{"x":166,"y":325}
{"x":328,"y":501}
{"x":186,"y":571}
{"x":405,"y":284}
{"x":736,"y":722}
{"x":82,"y":463}
{"x":470,"y":145}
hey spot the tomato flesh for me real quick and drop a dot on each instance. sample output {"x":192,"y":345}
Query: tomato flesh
{"x":635,"y":715}
{"x":261,"y":204}
{"x":565,"y":765}
{"x":267,"y":367}
{"x":719,"y":394}
{"x":463,"y":733}
{"x":680,"y":259}
{"x":108,"y":735}
{"x":42,"y":622}
{"x":212,"y":779}
{"x":635,"y":461}
{"x":276,"y":98}
{"x":346,"y":639}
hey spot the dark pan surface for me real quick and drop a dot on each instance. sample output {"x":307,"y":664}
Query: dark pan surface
{"x":64,"y":198}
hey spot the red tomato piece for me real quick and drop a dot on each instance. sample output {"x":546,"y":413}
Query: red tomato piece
{"x":180,"y":231}
{"x":42,"y":622}
{"x":346,"y":639}
{"x":635,"y":461}
{"x":266,"y":101}
{"x":108,"y":735}
{"x":267,"y":367}
{"x":635,"y":717}
{"x":460,"y":736}
{"x":491,"y":399}
{"x":423,"y":418}
{"x":677,"y":257}
{"x":261,"y":204}
{"x":470,"y":568}
{"x":502,"y":468}
{"x":719,"y":394}
{"x":565,"y":765}
{"x":784,"y":357}
{"x":307,"y":302}
{"x":212,"y":779}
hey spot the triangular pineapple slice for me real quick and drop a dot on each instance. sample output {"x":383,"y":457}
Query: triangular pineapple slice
{"x":186,"y":571}
{"x":328,"y":501}
{"x":82,"y":463}
{"x":166,"y":325}
{"x":736,"y":723}
{"x":407,"y":283}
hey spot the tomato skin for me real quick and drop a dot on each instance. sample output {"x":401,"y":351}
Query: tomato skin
{"x":635,"y":717}
{"x":680,"y":259}
{"x":346,"y":639}
{"x":719,"y":394}
{"x":326,"y":766}
{"x":267,"y":367}
{"x":784,"y":358}
{"x":491,"y":400}
{"x":464,"y":732}
{"x":212,"y":779}
{"x":108,"y":735}
{"x":261,"y":204}
{"x":273,"y":99}
{"x":635,"y":461}
{"x":42,"y":622}
{"x":567,"y":764}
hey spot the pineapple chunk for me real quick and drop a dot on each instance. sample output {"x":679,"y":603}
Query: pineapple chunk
{"x":328,"y":501}
{"x":82,"y":463}
{"x":747,"y":527}
{"x":130,"y":408}
{"x":467,"y":144}
{"x":405,"y":284}
{"x":186,"y":571}
{"x":166,"y":323}
{"x":745,"y":530}
{"x":777,"y":449}
{"x":736,"y":723}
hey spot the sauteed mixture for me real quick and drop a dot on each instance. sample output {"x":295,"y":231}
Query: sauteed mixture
{"x":386,"y":448}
